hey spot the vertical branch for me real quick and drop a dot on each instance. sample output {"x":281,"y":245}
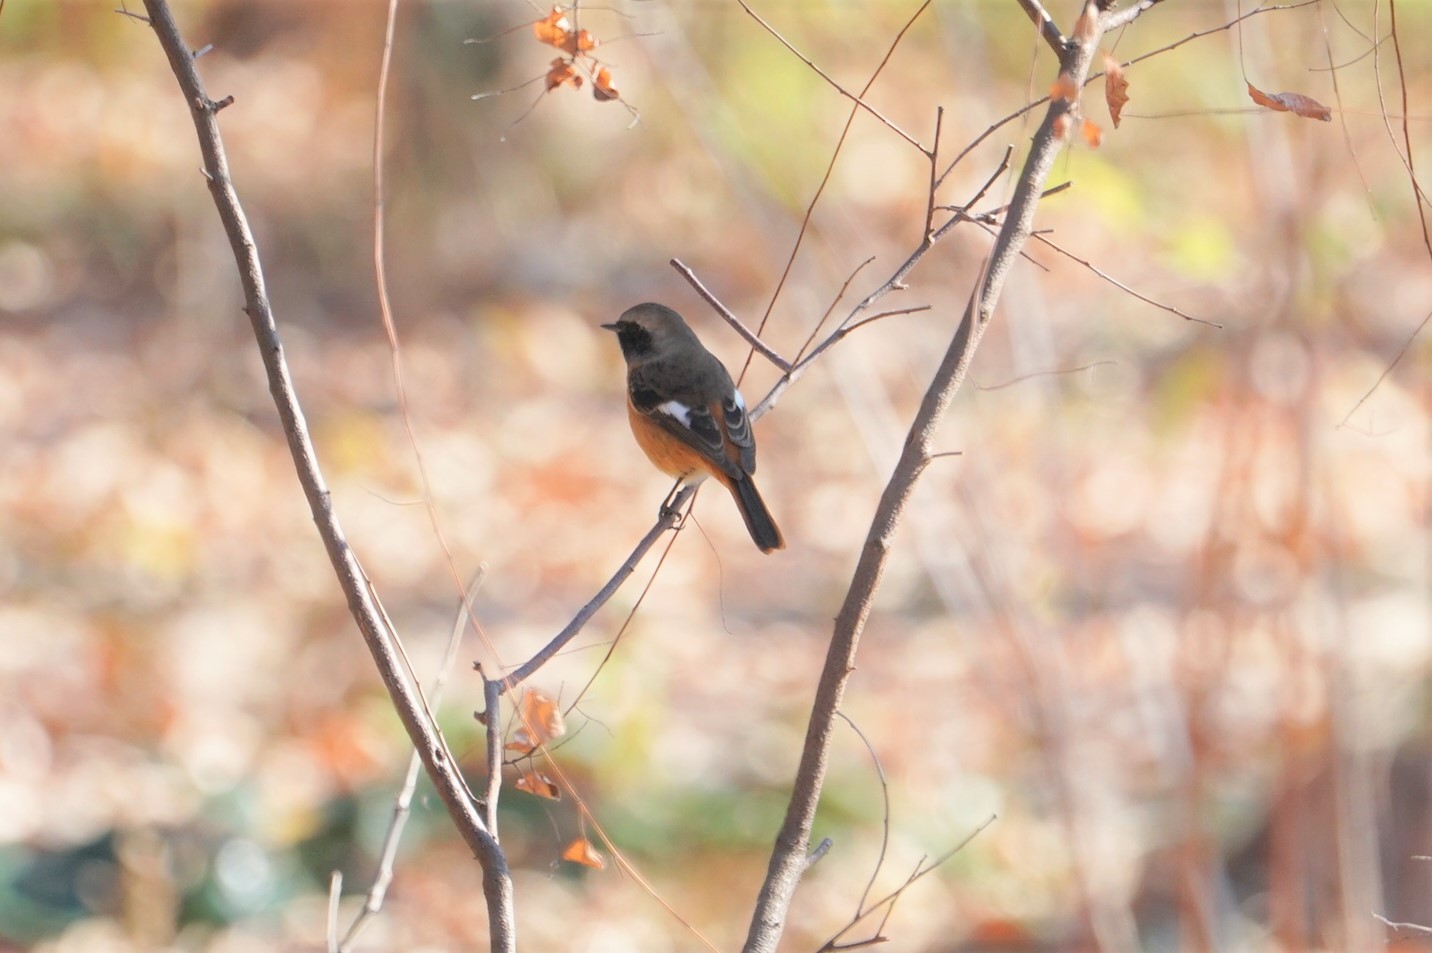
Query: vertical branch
{"x":788,"y":856}
{"x":407,"y":701}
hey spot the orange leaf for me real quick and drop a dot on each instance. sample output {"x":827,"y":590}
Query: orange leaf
{"x":553,"y":30}
{"x":540,"y":785}
{"x":1092,"y":134}
{"x":541,"y":719}
{"x":1116,"y":88}
{"x":1295,"y":103}
{"x":581,"y":851}
{"x":1061,"y":126}
{"x":579,"y":41}
{"x":602,"y":87}
{"x":1064,"y":88}
{"x":562,"y":72}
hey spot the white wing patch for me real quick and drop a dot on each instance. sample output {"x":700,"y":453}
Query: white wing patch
{"x":678,"y":410}
{"x":740,"y":401}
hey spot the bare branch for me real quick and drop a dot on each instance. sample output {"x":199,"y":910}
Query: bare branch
{"x":405,"y":695}
{"x":788,"y":856}
{"x":668,"y":520}
{"x":751,"y":337}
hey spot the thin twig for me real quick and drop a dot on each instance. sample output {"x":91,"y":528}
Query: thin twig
{"x":1033,"y":374}
{"x":825,"y":180}
{"x":859,"y":100}
{"x":666,"y":521}
{"x":1386,"y":371}
{"x":934,"y":155}
{"x":839,"y":296}
{"x":751,"y":337}
{"x":1123,"y":287}
{"x":1403,"y":927}
{"x":405,"y":695}
{"x":921,"y":870}
{"x":884,"y":813}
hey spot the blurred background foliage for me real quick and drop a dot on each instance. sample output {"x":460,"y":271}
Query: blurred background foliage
{"x":1166,"y":615}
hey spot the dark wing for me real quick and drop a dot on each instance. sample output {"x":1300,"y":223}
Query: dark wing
{"x":694,"y":426}
{"x":738,"y":429}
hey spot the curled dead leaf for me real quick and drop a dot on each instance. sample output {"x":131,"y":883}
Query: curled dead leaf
{"x":602,"y":87}
{"x":1116,"y":88}
{"x":553,"y":29}
{"x":1295,"y":103}
{"x":563,"y":72}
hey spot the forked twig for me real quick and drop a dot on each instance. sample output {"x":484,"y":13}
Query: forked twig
{"x":887,"y":901}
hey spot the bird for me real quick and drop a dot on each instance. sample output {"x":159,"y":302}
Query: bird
{"x":686,"y":413}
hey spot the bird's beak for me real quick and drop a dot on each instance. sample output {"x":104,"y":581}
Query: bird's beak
{"x":614,"y":326}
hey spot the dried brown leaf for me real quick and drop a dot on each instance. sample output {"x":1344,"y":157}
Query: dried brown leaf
{"x":1295,"y":103}
{"x":563,"y":72}
{"x":1116,"y":88}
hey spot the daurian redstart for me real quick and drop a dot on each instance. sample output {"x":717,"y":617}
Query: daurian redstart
{"x":686,"y":413}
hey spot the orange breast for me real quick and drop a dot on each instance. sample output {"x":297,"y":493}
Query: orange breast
{"x":668,"y":453}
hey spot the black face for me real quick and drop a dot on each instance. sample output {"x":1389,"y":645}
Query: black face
{"x":634,"y":339}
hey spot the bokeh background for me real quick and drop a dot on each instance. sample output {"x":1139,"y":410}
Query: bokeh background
{"x":1166,"y":615}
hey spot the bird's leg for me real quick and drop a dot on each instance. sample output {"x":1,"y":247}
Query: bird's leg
{"x":667,"y":508}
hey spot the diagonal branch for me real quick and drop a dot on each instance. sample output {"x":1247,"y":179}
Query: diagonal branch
{"x":792,"y":841}
{"x":382,"y":643}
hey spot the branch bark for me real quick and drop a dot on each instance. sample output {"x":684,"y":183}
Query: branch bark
{"x":788,"y":857}
{"x":382,"y":643}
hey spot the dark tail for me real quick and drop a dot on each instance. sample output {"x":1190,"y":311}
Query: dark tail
{"x":758,"y":519}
